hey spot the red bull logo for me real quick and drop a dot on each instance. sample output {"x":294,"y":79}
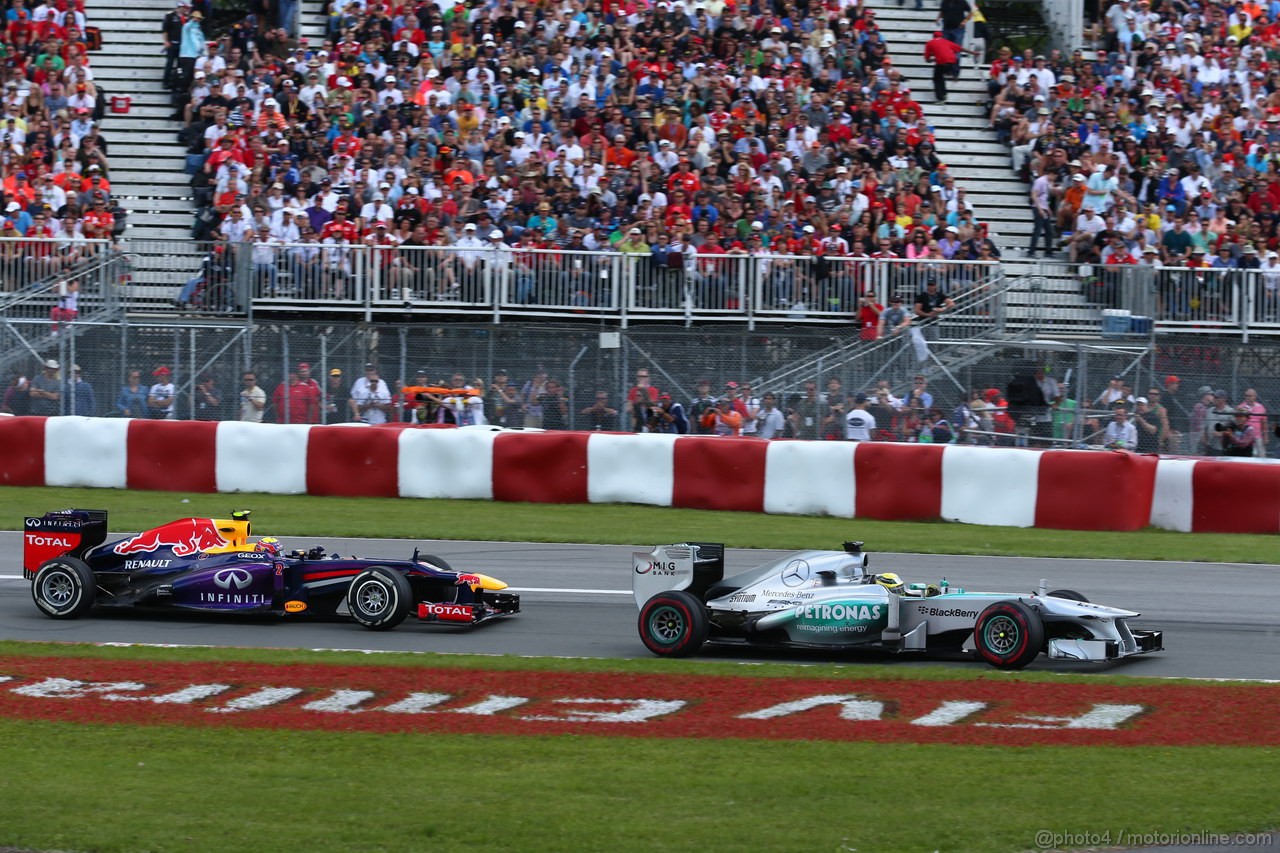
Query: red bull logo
{"x":470,"y":580}
{"x":184,"y":538}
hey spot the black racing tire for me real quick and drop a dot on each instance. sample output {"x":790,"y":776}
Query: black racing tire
{"x":674,"y":624}
{"x":379,"y":598}
{"x":1009,"y":635}
{"x":1070,"y":594}
{"x":435,"y":561}
{"x":64,"y":588}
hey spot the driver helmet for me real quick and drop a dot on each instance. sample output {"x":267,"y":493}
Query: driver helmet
{"x":268,"y":545}
{"x":891,"y":582}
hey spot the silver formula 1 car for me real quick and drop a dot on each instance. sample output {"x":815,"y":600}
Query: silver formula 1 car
{"x":831,"y":600}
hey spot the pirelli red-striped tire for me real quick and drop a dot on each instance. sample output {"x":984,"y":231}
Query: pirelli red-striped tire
{"x":673,"y":624}
{"x":1009,"y":635}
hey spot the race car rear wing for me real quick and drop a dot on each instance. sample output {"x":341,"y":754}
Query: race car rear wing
{"x":694,"y":566}
{"x":67,"y":532}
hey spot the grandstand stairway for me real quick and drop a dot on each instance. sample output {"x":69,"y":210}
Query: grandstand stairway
{"x":984,"y":168}
{"x":146,"y":159}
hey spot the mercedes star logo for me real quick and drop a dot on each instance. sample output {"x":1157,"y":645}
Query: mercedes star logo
{"x":796,"y":573}
{"x":228,"y":578}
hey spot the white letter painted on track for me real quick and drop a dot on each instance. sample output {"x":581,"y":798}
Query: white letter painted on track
{"x":65,"y":688}
{"x":851,"y":708}
{"x":492,"y":705}
{"x":264,"y":698}
{"x":341,"y":702}
{"x":185,"y":696}
{"x":629,"y":710}
{"x":417,"y":703}
{"x":1102,"y":717}
{"x":949,"y":713}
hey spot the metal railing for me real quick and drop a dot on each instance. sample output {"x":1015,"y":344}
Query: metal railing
{"x":980,"y":294}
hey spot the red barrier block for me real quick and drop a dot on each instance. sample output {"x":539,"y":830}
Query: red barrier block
{"x":1235,"y":497}
{"x":22,"y":453}
{"x":540,"y":467}
{"x":898,"y":482}
{"x":172,"y":456}
{"x":1090,"y":490}
{"x":719,"y":473}
{"x":356,"y":462}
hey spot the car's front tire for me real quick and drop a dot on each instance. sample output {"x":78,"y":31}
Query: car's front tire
{"x":1069,"y":594}
{"x":1009,"y":635}
{"x":673,"y":624}
{"x":379,"y":598}
{"x":64,"y":588}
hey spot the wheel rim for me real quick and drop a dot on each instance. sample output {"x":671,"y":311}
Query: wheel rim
{"x":57,"y":589}
{"x":372,"y":598}
{"x":1001,"y":635}
{"x":667,"y":625}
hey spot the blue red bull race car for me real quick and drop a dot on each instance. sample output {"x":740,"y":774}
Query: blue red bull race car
{"x":213,"y":565}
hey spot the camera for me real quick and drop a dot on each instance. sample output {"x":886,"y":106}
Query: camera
{"x":1222,"y":427}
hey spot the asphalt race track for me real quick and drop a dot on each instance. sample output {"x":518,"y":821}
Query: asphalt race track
{"x":1220,"y":620}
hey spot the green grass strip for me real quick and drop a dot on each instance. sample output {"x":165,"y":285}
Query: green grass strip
{"x":856,"y":669}
{"x":305,"y":515}
{"x":128,"y":789}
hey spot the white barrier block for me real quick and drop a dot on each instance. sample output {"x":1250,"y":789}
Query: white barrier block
{"x":631,"y":469}
{"x":990,"y":485}
{"x":446,"y":463}
{"x":91,"y":452}
{"x":810,"y":478}
{"x":268,"y":458}
{"x":1174,"y":497}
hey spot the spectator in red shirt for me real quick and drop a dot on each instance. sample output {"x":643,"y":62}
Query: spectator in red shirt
{"x":296,"y":401}
{"x":945,"y":56}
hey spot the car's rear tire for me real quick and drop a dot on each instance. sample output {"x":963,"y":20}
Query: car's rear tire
{"x":1009,"y":635}
{"x":673,"y":624}
{"x":64,"y":588}
{"x":1069,"y":594}
{"x":379,"y":598}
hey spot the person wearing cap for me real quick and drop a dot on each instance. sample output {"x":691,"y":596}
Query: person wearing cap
{"x":1270,"y":272}
{"x":297,"y":401}
{"x":206,"y":399}
{"x":668,"y":417}
{"x":370,"y":397}
{"x":944,"y":54}
{"x":162,"y":395}
{"x":45,"y":392}
{"x":1238,"y":437}
{"x":893,"y":320}
{"x":191,"y":46}
{"x":332,"y":397}
{"x":1257,"y":419}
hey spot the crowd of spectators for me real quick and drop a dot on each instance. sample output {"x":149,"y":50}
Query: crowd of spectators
{"x":683,"y":132}
{"x":1035,"y":409}
{"x":1158,"y":149}
{"x":55,"y":181}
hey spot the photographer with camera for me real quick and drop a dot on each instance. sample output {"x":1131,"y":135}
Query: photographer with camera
{"x":1237,"y":438}
{"x":668,"y":417}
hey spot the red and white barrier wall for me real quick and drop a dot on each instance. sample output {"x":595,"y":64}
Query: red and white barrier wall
{"x":1066,"y":489}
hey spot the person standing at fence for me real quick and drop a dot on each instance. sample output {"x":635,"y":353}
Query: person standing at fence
{"x":253,"y":399}
{"x":81,"y":398}
{"x":296,"y":401}
{"x":641,"y":397}
{"x":1120,"y":433}
{"x":554,"y":405}
{"x":207,"y":399}
{"x":1238,"y":437}
{"x":46,"y":390}
{"x":599,"y":415}
{"x":131,"y":402}
{"x":370,"y":397}
{"x":162,"y":395}
{"x":770,"y":422}
{"x":1257,"y":420}
{"x":333,"y":396}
